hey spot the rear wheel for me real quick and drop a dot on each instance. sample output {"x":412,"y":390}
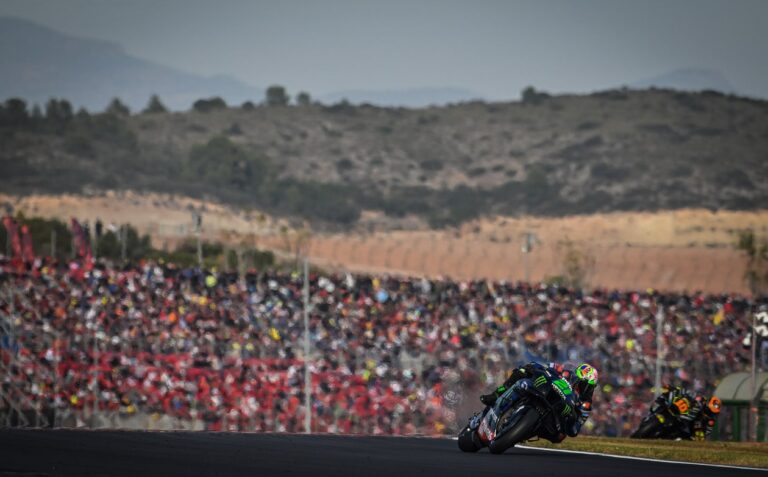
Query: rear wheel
{"x":522,"y":430}
{"x":467,"y":441}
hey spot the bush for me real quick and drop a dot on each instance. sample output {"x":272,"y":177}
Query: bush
{"x":431,"y":165}
{"x":220,"y":162}
{"x":303,"y":99}
{"x":155,"y":106}
{"x":111,"y":130}
{"x":343,"y":165}
{"x":259,"y":259}
{"x":118,"y":108}
{"x":603,"y":171}
{"x":316,"y":200}
{"x":736,"y":178}
{"x":530,"y":96}
{"x":588,"y":125}
{"x":276,"y":96}
{"x":208,"y":105}
{"x":476,"y":171}
{"x":78,"y":144}
{"x":13,"y":113}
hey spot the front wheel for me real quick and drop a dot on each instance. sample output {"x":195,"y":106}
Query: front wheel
{"x":522,"y":430}
{"x":467,"y":440}
{"x":649,"y":429}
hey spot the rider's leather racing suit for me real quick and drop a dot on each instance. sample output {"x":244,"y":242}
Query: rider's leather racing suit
{"x":701,"y":417}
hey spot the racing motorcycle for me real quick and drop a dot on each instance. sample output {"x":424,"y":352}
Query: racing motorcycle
{"x":664,"y":421}
{"x":527,"y":409}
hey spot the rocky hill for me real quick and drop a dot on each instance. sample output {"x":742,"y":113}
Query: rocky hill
{"x":547,"y":155}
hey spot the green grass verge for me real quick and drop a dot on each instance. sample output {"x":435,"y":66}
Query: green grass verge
{"x":748,"y":454}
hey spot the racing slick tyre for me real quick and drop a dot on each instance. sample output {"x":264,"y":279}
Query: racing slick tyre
{"x":649,"y":429}
{"x":467,"y":440}
{"x":522,"y":430}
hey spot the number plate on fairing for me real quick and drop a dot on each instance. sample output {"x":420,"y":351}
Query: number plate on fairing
{"x":682,"y":405}
{"x":486,"y":430}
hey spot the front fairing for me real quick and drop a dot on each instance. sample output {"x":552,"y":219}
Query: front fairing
{"x":491,"y":414}
{"x":511,"y":396}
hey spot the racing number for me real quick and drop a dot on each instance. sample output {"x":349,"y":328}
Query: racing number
{"x":682,"y":405}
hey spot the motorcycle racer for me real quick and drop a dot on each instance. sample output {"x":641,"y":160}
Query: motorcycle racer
{"x":583,"y":380}
{"x":696,"y":415}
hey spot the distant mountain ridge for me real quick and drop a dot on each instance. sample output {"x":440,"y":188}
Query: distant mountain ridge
{"x":410,"y":97}
{"x":688,"y":79}
{"x":37,"y":63}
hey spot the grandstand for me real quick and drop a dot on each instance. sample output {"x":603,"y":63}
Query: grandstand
{"x":152,"y":345}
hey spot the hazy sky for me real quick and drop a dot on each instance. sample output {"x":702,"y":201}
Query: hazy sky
{"x":491,"y":47}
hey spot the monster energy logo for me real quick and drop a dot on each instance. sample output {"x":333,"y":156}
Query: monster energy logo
{"x":563,"y":385}
{"x":540,"y":381}
{"x":566,"y":410}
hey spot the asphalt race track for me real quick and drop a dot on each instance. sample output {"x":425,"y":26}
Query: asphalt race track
{"x":126,"y":453}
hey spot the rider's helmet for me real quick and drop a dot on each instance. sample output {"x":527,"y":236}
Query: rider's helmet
{"x":714,"y":405}
{"x":584,"y":379}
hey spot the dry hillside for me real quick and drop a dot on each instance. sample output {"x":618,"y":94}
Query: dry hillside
{"x":610,"y":151}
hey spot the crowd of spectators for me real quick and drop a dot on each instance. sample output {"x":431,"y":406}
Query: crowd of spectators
{"x":388,"y":355}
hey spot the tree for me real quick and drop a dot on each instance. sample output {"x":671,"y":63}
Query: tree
{"x":210,"y":104}
{"x":14,"y":112}
{"x":58,"y":111}
{"x":756,"y":253}
{"x":37,"y":113}
{"x":577,"y":264}
{"x":117,"y":108}
{"x":276,"y":96}
{"x":40,"y":231}
{"x":155,"y":106}
{"x":297,"y":242}
{"x":303,"y":99}
{"x":248,"y":106}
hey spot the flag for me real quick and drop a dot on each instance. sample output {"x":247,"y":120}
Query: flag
{"x":26,"y":244}
{"x":82,"y":243}
{"x":759,"y":331}
{"x":718,"y":317}
{"x":77,"y":237}
{"x":761,"y":324}
{"x":12,"y":229}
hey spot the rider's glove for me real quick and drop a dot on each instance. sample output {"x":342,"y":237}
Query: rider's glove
{"x":583,"y":416}
{"x":488,"y":399}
